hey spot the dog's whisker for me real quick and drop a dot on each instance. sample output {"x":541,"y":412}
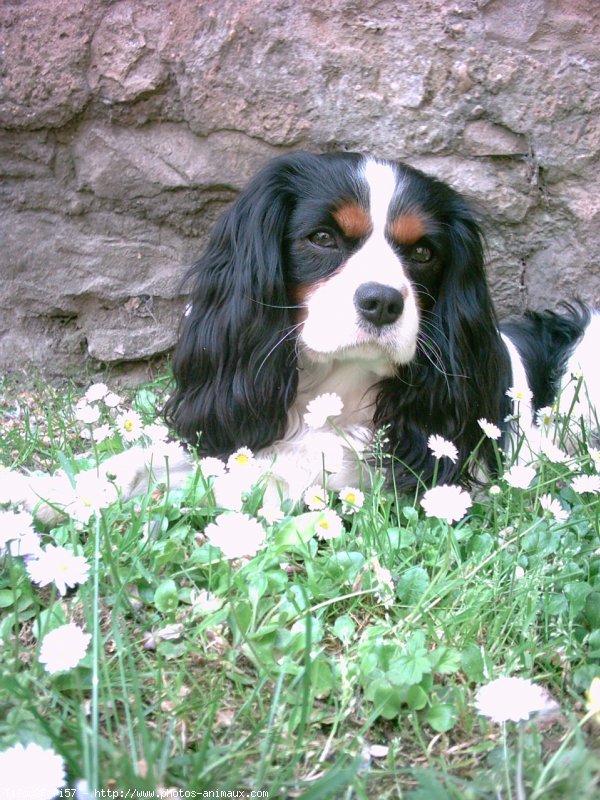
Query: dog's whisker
{"x":274,"y":305}
{"x":280,"y":341}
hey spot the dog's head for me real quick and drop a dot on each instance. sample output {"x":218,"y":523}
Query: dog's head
{"x":341,"y":257}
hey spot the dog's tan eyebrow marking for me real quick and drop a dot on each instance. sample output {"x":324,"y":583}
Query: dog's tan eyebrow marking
{"x":353,"y":220}
{"x":408,"y":228}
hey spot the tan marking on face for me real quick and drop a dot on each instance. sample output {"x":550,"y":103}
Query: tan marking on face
{"x":298,"y":296}
{"x":353,"y":220}
{"x":408,"y":228}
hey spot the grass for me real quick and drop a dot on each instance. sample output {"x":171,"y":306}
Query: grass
{"x":344,"y":668}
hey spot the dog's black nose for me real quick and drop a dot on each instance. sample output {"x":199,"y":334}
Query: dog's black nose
{"x":378,"y":304}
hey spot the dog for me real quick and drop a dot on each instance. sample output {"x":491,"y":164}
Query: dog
{"x":347,"y":274}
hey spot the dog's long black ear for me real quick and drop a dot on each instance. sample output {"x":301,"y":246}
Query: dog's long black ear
{"x":461,"y":369}
{"x":235,"y":364}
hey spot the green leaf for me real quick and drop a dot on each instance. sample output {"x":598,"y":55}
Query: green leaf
{"x":594,"y":644}
{"x":345,"y":566}
{"x":321,"y":678}
{"x":344,"y":628}
{"x":481,"y":544}
{"x":577,"y":593}
{"x":6,"y":598}
{"x":416,"y":698}
{"x":297,"y":531}
{"x":412,"y":663}
{"x":472,"y":664}
{"x":445,"y":660}
{"x":412,"y":585}
{"x":172,"y":553}
{"x":165,"y":597}
{"x":592,"y":609}
{"x":407,"y":538}
{"x":257,"y":586}
{"x":386,"y":698}
{"x":410,"y":513}
{"x":441,"y":717}
{"x":145,"y":401}
{"x":556,"y":603}
{"x":241,"y":616}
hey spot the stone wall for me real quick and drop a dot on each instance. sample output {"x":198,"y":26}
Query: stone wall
{"x":128,"y":126}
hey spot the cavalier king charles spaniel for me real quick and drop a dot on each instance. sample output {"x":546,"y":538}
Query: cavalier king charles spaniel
{"x":346,"y":274}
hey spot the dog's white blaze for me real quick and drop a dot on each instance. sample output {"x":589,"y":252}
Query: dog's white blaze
{"x":381,"y":180}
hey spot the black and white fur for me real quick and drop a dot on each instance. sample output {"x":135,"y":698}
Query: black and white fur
{"x":343,"y":273}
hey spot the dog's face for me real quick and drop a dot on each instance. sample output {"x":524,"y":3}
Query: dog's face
{"x":339,"y":257}
{"x":365,"y":257}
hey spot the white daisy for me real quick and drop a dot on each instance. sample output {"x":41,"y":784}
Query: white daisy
{"x":243,"y":458}
{"x":316,"y":497}
{"x":112,"y":400}
{"x":329,"y":525}
{"x":231,"y":489}
{"x":13,"y":526}
{"x":97,"y":391}
{"x":7,"y":478}
{"x":442,"y":448}
{"x":553,"y":453}
{"x":513,"y":699}
{"x":236,"y":535}
{"x":211,"y":467}
{"x":352,"y":499}
{"x":553,"y":507}
{"x":583,"y":484}
{"x":489,"y":429}
{"x":27,"y":546}
{"x":271,"y":512}
{"x":156,"y":433}
{"x":31,"y":771}
{"x":321,"y":408}
{"x":86,"y":413}
{"x":101,"y":433}
{"x":63,"y":648}
{"x":446,"y":502}
{"x":130,"y":425}
{"x":519,"y":476}
{"x":330,"y":446}
{"x":546,"y":417}
{"x":91,"y":494}
{"x":60,"y":566}
{"x":519,"y":395}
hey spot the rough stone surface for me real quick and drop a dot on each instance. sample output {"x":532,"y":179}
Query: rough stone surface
{"x":127,"y":126}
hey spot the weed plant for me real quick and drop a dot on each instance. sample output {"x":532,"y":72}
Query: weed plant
{"x":340,"y":659}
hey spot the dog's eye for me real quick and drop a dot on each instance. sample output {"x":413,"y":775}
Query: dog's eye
{"x":323,"y":239}
{"x":421,"y":254}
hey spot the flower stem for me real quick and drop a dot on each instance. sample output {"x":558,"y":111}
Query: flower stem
{"x":519,"y":785}
{"x":506,"y":770}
